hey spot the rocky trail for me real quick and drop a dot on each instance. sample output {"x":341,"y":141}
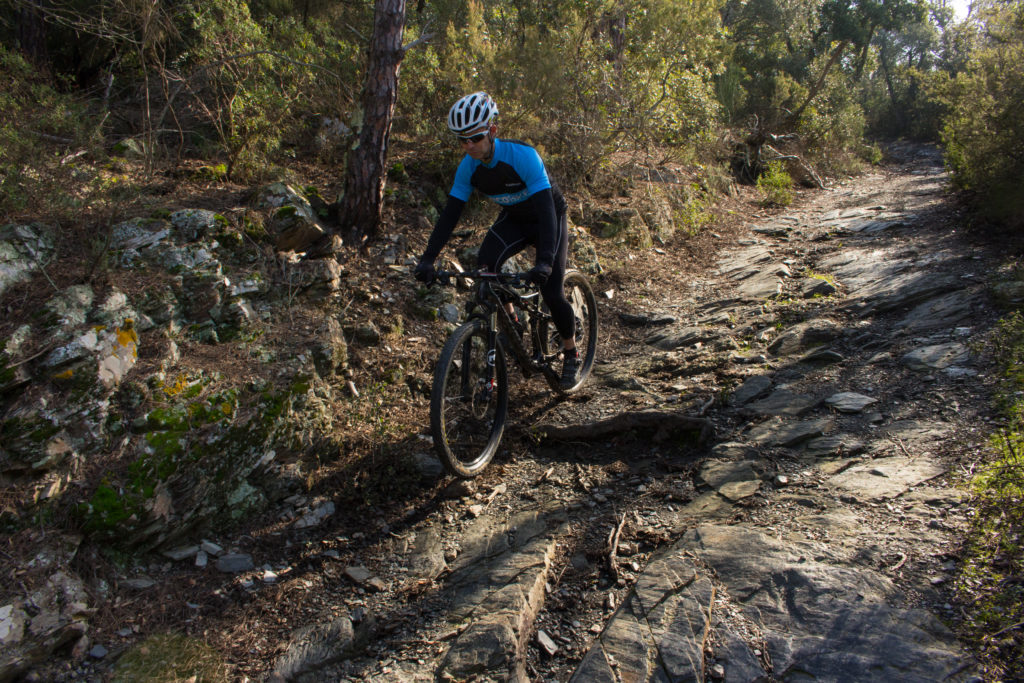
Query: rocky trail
{"x":788,"y":508}
{"x":812,"y":537}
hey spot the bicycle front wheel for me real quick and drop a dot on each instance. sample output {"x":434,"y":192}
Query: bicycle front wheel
{"x":469,"y":400}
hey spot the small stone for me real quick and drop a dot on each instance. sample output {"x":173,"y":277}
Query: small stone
{"x":98,"y":652}
{"x":235,"y":563}
{"x":548,"y":645}
{"x":140,"y":583}
{"x":315,"y":516}
{"x":717,"y":672}
{"x":269,"y":576}
{"x":211,"y":548}
{"x":476,"y":510}
{"x":359,"y":575}
{"x":363,"y":577}
{"x":460,"y":488}
{"x":781,"y":480}
{"x":181,"y":553}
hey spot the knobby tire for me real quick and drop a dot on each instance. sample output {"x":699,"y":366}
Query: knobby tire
{"x":467,"y":416}
{"x":580,"y":296}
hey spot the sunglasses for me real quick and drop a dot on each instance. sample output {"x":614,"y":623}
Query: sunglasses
{"x":471,"y":138}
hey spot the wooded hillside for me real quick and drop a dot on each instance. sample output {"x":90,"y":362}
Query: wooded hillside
{"x":247,"y":87}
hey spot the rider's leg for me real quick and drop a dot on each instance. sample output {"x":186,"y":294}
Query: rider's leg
{"x":504,"y":240}
{"x":553,"y":290}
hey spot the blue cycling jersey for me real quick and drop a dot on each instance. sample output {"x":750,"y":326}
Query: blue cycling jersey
{"x":514,"y":174}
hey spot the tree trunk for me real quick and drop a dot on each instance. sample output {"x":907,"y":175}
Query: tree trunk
{"x":896,"y":106}
{"x":795,"y":116}
{"x":863,"y":56}
{"x":32,"y":34}
{"x":367,"y":163}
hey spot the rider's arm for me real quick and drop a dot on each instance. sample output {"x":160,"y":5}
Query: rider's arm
{"x":446,"y":223}
{"x":547,"y":232}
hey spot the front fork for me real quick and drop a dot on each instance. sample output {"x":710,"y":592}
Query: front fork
{"x":491,"y":380}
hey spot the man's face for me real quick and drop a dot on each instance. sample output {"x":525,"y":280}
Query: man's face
{"x":478,"y":143}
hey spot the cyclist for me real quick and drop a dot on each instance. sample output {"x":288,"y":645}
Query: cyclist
{"x":533,"y":211}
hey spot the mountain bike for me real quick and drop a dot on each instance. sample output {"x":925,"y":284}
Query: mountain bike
{"x":470,"y":396}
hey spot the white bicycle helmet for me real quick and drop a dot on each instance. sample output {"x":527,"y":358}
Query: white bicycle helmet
{"x":471,"y":112}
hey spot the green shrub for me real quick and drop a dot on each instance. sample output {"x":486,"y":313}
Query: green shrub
{"x":775,"y":185}
{"x":40,"y":130}
{"x":984,"y":124}
{"x":988,"y":584}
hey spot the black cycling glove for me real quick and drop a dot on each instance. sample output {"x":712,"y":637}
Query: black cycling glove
{"x":539,"y":274}
{"x":424,"y":272}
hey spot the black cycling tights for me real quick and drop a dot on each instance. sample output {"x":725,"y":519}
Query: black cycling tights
{"x":507,"y":238}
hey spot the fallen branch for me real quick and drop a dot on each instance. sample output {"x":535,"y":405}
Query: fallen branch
{"x":1008,"y":628}
{"x":665,"y":424}
{"x":903,"y":560}
{"x":707,"y":621}
{"x":613,"y":548}
{"x":807,"y":168}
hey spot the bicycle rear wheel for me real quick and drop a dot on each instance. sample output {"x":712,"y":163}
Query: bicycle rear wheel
{"x":580,"y":296}
{"x":469,"y":401}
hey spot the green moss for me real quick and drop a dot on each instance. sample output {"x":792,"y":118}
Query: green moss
{"x":171,"y":417}
{"x":215,"y":173}
{"x":25,"y":436}
{"x":105,"y":511}
{"x":285,"y":212}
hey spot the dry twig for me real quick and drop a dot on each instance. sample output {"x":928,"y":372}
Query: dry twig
{"x":613,"y":547}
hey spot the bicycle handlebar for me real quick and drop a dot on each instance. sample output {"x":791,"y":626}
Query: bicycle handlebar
{"x":519,"y":279}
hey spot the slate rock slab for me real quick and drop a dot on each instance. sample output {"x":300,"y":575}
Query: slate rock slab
{"x":642,"y":319}
{"x":754,"y":387}
{"x":736,"y":491}
{"x":672,"y":339}
{"x":760,"y":287}
{"x":886,"y":477}
{"x":821,"y":621}
{"x":427,"y":555}
{"x":811,"y":287}
{"x":942,"y":312}
{"x":901,"y":290}
{"x":849,"y":401}
{"x":833,"y":446}
{"x":936,"y":356}
{"x":781,"y":402}
{"x":803,"y":336}
{"x":786,"y":433}
{"x":316,"y":646}
{"x":658,"y":633}
{"x":717,"y":473}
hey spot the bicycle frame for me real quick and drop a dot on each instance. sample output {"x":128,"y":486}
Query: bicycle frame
{"x":493,"y":291}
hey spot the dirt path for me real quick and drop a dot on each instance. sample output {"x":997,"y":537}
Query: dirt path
{"x":813,"y":535}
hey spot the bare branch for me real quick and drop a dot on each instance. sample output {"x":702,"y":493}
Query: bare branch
{"x":425,"y":36}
